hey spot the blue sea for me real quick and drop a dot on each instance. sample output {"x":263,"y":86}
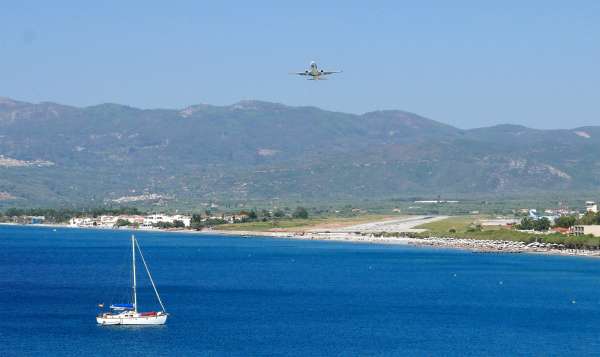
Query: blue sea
{"x":256,"y":296}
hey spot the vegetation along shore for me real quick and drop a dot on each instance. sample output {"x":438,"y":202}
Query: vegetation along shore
{"x":481,"y":233}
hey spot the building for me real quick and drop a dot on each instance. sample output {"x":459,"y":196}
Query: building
{"x":134,"y":219}
{"x":36,"y":219}
{"x":591,"y":206}
{"x":84,"y":222}
{"x":585,"y":230}
{"x":153,"y":219}
{"x":187,"y":220}
{"x":233,"y":218}
{"x":108,"y":220}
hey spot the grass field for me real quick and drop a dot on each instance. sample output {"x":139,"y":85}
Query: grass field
{"x":468,"y":227}
{"x":459,"y":223}
{"x":295,"y":225}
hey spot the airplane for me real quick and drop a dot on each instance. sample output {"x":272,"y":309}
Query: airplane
{"x":314,"y":73}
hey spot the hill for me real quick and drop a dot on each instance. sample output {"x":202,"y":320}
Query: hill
{"x":58,"y":155}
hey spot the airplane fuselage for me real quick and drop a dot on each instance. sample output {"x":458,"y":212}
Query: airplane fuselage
{"x":314,"y":70}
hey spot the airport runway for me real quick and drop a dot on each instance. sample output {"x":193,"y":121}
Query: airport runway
{"x":405,"y":224}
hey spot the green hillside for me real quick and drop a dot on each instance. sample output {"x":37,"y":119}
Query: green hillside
{"x":56,"y":155}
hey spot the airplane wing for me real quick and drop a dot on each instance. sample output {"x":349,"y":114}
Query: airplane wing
{"x":329,"y":72}
{"x":300,"y":73}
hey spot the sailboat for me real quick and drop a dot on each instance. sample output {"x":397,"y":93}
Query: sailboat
{"x":128,"y":314}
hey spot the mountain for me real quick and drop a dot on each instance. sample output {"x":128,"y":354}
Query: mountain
{"x":56,"y":155}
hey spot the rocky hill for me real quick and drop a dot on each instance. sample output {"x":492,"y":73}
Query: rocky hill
{"x":52,"y":154}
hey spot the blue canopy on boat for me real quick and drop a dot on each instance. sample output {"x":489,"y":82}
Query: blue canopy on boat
{"x":121,"y":306}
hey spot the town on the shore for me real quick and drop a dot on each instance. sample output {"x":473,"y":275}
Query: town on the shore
{"x":132,"y":218}
{"x":554,"y":222}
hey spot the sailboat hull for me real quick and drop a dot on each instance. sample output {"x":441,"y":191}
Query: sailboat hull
{"x":137,"y":319}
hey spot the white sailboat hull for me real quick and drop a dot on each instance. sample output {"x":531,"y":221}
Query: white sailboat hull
{"x":131,"y":319}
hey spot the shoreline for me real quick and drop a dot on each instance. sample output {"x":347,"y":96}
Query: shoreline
{"x":465,"y":244}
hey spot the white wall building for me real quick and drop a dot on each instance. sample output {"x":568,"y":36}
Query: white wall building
{"x":153,"y":219}
{"x":187,"y":220}
{"x":108,"y":220}
{"x":585,"y":230}
{"x":84,"y":222}
{"x":591,"y":206}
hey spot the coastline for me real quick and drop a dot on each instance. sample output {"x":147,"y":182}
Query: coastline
{"x":467,"y":244}
{"x":348,"y":236}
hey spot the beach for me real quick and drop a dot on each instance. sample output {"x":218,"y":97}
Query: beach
{"x":371,"y":233}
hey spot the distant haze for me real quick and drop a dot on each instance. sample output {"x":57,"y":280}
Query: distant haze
{"x":466,"y":63}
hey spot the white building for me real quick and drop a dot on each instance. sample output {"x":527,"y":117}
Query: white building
{"x":591,"y":206}
{"x":137,"y":220}
{"x":585,"y":230}
{"x":108,"y":220}
{"x":84,"y":222}
{"x":153,"y":219}
{"x":187,"y":220}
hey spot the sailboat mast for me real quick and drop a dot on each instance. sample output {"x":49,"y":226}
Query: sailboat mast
{"x":133,"y":265}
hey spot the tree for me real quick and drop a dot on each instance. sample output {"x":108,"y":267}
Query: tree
{"x":590,"y":218}
{"x":300,"y":212}
{"x":565,"y":221}
{"x":11,"y":212}
{"x":213,"y":222}
{"x":252,"y":215}
{"x":122,"y":222}
{"x":196,"y":222}
{"x":163,"y":225}
{"x":278,"y":213}
{"x":178,"y":224}
{"x":542,"y":224}
{"x":264,"y":213}
{"x":527,"y":224}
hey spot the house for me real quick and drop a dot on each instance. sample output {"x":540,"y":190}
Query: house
{"x":37,"y":219}
{"x":134,"y":219}
{"x":187,"y":220}
{"x":108,"y":221}
{"x":591,"y":207}
{"x":84,"y":222}
{"x":533,"y":213}
{"x":153,"y":219}
{"x":585,"y":230}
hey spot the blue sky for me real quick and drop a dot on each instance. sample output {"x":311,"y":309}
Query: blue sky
{"x":466,"y":63}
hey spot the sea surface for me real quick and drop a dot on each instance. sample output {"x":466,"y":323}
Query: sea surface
{"x":275,"y":297}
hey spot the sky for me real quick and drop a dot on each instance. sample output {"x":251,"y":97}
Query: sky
{"x":465,"y":63}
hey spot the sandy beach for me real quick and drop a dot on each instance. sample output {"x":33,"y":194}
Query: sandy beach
{"x":474,"y":245}
{"x":366,"y":233}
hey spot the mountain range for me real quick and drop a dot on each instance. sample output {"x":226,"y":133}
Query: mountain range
{"x":59,"y":155}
